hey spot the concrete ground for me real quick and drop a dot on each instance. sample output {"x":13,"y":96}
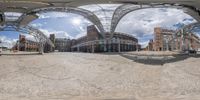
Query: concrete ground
{"x":84,"y":76}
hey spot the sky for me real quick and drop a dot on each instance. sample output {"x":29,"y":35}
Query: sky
{"x":139,"y":23}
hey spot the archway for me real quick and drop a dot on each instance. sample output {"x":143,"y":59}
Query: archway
{"x":123,"y":10}
{"x":31,"y":15}
{"x":37,"y":34}
{"x":142,"y":23}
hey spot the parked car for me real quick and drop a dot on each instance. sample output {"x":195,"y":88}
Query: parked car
{"x":190,"y":51}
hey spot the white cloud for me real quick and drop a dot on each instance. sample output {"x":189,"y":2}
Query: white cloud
{"x":62,"y":34}
{"x":52,"y":14}
{"x":36,"y":24}
{"x":7,"y":42}
{"x":141,"y":23}
{"x":144,"y":44}
{"x":70,"y":26}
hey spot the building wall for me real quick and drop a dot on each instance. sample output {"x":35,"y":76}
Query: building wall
{"x":94,"y":42}
{"x":26,"y":45}
{"x":63,"y":44}
{"x":158,"y":39}
{"x":92,"y":33}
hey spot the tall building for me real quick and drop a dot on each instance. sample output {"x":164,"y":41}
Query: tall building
{"x":92,"y":33}
{"x":162,"y":39}
{"x":94,"y":42}
{"x":158,"y":39}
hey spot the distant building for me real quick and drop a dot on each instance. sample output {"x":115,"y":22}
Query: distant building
{"x":187,"y":41}
{"x":165,"y":39}
{"x":25,"y":45}
{"x":63,"y":44}
{"x":150,"y":46}
{"x":48,"y":47}
{"x":162,"y":39}
{"x":95,"y":42}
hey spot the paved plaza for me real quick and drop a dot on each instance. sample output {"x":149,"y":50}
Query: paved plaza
{"x":84,"y":76}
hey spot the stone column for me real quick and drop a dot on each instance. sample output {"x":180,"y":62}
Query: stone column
{"x":119,"y":45}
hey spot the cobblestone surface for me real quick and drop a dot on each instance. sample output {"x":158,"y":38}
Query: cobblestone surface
{"x":83,"y":76}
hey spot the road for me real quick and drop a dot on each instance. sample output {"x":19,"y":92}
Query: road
{"x":84,"y":76}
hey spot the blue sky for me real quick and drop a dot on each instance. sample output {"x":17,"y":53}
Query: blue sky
{"x":138,"y":23}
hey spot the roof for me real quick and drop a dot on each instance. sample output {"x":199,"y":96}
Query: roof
{"x":24,"y":5}
{"x":28,"y":7}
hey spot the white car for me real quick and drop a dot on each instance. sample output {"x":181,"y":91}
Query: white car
{"x":198,"y":50}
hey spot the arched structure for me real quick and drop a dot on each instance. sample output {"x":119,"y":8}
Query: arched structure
{"x":123,"y":10}
{"x":39,"y":36}
{"x":191,"y":27}
{"x":103,"y":11}
{"x":30,"y":8}
{"x":186,"y":39}
{"x":31,"y":15}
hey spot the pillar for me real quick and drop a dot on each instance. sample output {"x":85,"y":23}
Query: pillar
{"x":180,"y":41}
{"x":41,"y":50}
{"x":93,"y":48}
{"x":167,"y":43}
{"x":105,"y":48}
{"x":119,"y":45}
{"x":78,"y":48}
{"x":137,"y":47}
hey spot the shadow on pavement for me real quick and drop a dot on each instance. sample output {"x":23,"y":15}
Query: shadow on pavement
{"x":162,"y":61}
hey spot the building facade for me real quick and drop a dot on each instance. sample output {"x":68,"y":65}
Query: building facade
{"x":111,"y":42}
{"x":170,"y":40}
{"x":26,"y":45}
{"x":63,"y":44}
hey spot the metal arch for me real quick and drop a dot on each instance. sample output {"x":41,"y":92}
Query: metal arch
{"x":190,"y":27}
{"x":39,"y":35}
{"x":42,"y":39}
{"x":103,"y":10}
{"x":87,"y":14}
{"x":122,"y":10}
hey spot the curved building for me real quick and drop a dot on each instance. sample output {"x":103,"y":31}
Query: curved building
{"x":115,"y":42}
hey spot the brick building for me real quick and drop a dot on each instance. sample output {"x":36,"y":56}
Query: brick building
{"x":26,"y":45}
{"x":165,"y":39}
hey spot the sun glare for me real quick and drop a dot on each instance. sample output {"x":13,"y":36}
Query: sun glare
{"x":76,"y":21}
